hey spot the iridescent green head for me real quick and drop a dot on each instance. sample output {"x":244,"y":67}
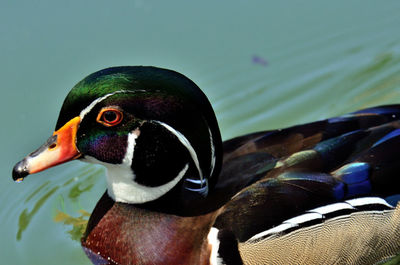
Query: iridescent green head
{"x":152,"y":128}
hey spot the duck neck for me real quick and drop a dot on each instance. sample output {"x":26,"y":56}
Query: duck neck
{"x":126,"y":234}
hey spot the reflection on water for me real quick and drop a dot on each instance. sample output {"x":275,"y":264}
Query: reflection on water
{"x":86,"y":180}
{"x":26,"y":215}
{"x":75,"y":187}
{"x":36,"y":191}
{"x":78,"y":223}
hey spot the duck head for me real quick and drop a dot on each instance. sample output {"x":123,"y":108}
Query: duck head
{"x":153,"y":129}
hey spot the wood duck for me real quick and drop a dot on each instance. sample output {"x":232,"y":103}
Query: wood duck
{"x":326,"y":192}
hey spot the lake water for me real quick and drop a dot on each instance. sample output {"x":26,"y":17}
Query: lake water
{"x":263,"y":65}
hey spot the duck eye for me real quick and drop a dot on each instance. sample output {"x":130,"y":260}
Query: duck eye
{"x":109,"y":117}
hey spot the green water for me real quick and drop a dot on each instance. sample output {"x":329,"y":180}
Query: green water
{"x":263,"y":65}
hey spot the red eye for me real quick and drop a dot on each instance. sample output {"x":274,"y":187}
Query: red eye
{"x":109,"y":117}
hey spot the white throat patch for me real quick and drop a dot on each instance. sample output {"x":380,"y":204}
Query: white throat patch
{"x":121,"y":185}
{"x":123,"y":188}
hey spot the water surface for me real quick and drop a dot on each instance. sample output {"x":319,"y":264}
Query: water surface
{"x":263,"y":65}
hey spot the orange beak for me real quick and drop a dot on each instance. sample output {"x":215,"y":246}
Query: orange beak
{"x":59,"y":148}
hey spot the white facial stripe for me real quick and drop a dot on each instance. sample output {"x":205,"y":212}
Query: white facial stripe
{"x":213,"y":240}
{"x":186,"y":143}
{"x":96,"y":101}
{"x":130,"y":147}
{"x":212,"y":152}
{"x":123,"y":188}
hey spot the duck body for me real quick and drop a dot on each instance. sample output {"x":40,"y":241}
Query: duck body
{"x":326,"y":192}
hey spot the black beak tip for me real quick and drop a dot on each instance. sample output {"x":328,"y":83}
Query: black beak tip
{"x":20,"y":171}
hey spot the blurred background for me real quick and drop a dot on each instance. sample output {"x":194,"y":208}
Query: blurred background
{"x":263,"y":65}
